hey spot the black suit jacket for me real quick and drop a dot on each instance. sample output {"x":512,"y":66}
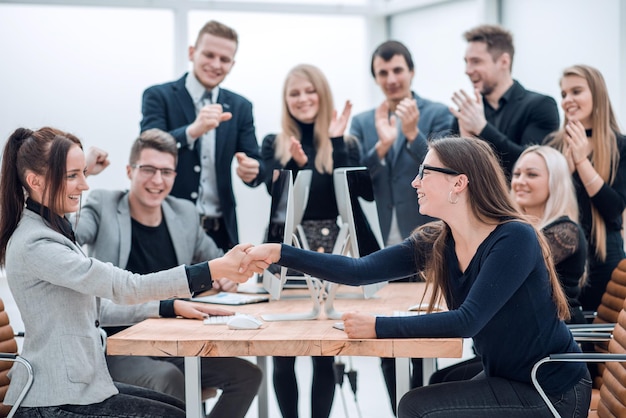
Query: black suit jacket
{"x":170,"y":107}
{"x":525,"y":118}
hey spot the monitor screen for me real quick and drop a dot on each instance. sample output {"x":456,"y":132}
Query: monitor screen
{"x":360,"y":233}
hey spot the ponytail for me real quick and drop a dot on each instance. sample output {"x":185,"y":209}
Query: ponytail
{"x":11,"y":189}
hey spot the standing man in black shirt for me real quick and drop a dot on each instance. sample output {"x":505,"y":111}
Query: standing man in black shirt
{"x":500,"y":111}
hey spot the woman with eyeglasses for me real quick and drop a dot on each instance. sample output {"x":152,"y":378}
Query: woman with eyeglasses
{"x":56,"y":286}
{"x":495,"y":272}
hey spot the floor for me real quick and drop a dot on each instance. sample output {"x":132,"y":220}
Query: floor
{"x":370,"y":400}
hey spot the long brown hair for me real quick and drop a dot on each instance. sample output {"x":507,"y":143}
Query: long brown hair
{"x":489,"y":201}
{"x":605,"y":155}
{"x":321,"y":138}
{"x":44,"y":152}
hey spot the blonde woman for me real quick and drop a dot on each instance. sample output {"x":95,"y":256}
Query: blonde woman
{"x":596,"y":155}
{"x":542,"y":187}
{"x":311,"y":137}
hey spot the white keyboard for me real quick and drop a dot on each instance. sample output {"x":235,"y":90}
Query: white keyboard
{"x":217,"y":319}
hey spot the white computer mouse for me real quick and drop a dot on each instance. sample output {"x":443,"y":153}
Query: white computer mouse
{"x":243,"y":321}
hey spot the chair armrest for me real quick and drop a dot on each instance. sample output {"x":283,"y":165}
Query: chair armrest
{"x":592,"y":336}
{"x":16,"y":358}
{"x":571,"y":358}
{"x":591,"y":327}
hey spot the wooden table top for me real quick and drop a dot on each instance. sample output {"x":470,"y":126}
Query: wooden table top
{"x":186,"y":337}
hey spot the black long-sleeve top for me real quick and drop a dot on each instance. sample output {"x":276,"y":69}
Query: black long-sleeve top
{"x":322,"y":203}
{"x":502,"y":300}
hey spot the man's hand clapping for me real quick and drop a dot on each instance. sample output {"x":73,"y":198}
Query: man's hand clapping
{"x":470,"y":112}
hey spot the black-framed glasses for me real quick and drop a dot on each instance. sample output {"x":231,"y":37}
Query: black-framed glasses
{"x":150,"y":171}
{"x":420,"y":173}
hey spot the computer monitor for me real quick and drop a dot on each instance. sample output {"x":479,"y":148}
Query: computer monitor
{"x":283,"y":212}
{"x":360,"y":233}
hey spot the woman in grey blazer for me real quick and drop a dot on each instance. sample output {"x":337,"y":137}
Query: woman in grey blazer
{"x":57,"y":287}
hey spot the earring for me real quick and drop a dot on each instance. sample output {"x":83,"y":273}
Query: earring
{"x":454,"y":202}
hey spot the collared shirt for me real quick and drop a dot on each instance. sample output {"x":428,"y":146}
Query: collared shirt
{"x":59,"y":223}
{"x":494,"y":116}
{"x":208,"y":202}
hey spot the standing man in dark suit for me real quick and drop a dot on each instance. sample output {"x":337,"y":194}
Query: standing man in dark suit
{"x":501,"y":111}
{"x":394,"y":138}
{"x":211,"y":126}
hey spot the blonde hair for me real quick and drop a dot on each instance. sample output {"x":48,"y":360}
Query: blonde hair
{"x":321,"y":138}
{"x":562,"y":195}
{"x":489,"y":201}
{"x":605,"y":155}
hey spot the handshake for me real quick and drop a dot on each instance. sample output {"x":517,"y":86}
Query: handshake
{"x":243,"y":260}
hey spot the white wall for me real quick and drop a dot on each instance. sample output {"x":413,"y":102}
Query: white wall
{"x":548,"y":36}
{"x":84,"y":70}
{"x":552,"y":35}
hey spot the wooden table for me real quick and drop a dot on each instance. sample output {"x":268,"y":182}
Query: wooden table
{"x":192,"y":339}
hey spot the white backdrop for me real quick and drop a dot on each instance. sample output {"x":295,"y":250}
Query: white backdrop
{"x":83,"y":69}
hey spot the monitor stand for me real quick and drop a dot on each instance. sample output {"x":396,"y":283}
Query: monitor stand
{"x":315,"y":293}
{"x":343,"y":247}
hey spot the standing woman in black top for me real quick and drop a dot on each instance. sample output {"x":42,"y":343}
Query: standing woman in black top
{"x":311,"y":137}
{"x":596,"y":155}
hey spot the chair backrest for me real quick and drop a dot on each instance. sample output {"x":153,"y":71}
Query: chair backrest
{"x":609,"y":310}
{"x":7,"y":345}
{"x":613,"y":391}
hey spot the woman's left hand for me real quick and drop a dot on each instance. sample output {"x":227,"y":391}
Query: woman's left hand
{"x":359,"y":325}
{"x":576,"y":140}
{"x":338,"y":125}
{"x":197,"y":310}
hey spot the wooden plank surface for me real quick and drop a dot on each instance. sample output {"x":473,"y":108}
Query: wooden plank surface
{"x":184,"y":337}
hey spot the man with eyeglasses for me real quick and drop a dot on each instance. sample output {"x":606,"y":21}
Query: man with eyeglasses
{"x":212,"y":126}
{"x":145,"y":230}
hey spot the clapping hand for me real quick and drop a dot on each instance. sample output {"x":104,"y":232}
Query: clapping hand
{"x":297,"y":153}
{"x":385,"y":128}
{"x":338,"y":124}
{"x":247,"y":168}
{"x":470,"y":112}
{"x":409,"y":116}
{"x":578,"y":144}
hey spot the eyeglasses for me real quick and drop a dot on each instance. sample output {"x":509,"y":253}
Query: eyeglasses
{"x":150,"y":171}
{"x":420,"y":173}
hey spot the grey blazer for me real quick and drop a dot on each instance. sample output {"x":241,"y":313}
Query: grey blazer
{"x":104,"y":226}
{"x":54,"y":285}
{"x":391,"y":178}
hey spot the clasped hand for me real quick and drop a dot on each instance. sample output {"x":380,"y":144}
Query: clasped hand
{"x":470,"y":112}
{"x":357,"y":325}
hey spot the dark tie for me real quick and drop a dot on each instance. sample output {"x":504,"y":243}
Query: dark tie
{"x":206,"y":98}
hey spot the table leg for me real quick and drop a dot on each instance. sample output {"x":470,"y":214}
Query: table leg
{"x":193,"y":391}
{"x":429,"y":367}
{"x":262,"y":397}
{"x":403,"y":377}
